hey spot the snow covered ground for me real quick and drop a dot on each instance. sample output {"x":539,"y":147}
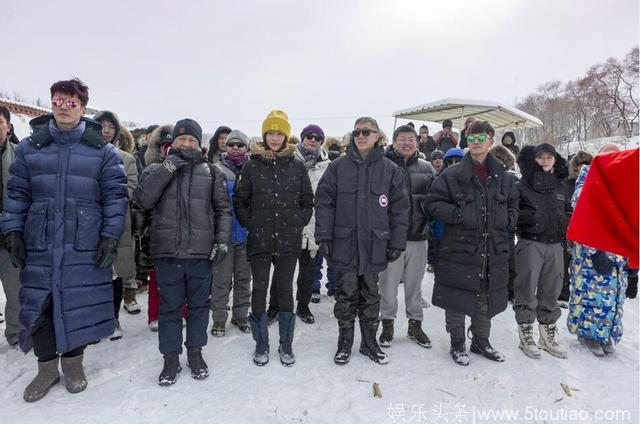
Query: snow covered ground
{"x":418,"y":385}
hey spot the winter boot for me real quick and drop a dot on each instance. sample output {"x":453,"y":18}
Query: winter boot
{"x":315,"y":296}
{"x":632,"y":286}
{"x":272,"y":313}
{"x":130,"y":303}
{"x":481,"y":346}
{"x":386,"y":337}
{"x":416,"y":334}
{"x":548,"y":341}
{"x":260,"y":331}
{"x":217,"y":330}
{"x":287,"y":321}
{"x":153,"y":326}
{"x":117,"y":332}
{"x":74,"y":378}
{"x":170,"y":371}
{"x":458,"y":350}
{"x":527,"y":344}
{"x":345,"y":343}
{"x":593,"y":346}
{"x":368,"y":345}
{"x":242,"y":325}
{"x":195,"y":361}
{"x":607,"y":347}
{"x":47,"y":377}
{"x":305,"y":314}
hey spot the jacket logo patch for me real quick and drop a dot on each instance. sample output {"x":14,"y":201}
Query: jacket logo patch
{"x":383,"y":200}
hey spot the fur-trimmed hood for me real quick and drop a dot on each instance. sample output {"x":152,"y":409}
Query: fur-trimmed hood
{"x":529,"y":166}
{"x":580,"y":158}
{"x":332,"y":141}
{"x":125,"y":142}
{"x":259,"y":151}
{"x":153,"y":154}
{"x":504,"y":155}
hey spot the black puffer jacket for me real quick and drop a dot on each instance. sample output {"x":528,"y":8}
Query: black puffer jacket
{"x":363,"y":209}
{"x":273,"y":200}
{"x":545,"y":203}
{"x":418,"y":176}
{"x":191,"y":208}
{"x":475,"y":245}
{"x":428,"y":147}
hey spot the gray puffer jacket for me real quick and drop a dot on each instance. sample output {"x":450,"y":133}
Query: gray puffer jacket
{"x":191,"y":209}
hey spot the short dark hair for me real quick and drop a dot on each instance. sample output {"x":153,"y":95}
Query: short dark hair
{"x":404,"y":128}
{"x":5,"y":112}
{"x":480,"y":127}
{"x":424,"y":127}
{"x":73,"y":87}
{"x":447,"y":123}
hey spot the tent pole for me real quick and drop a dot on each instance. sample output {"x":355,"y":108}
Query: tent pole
{"x":395,"y":121}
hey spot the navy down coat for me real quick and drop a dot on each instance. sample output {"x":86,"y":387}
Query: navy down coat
{"x":66,"y":190}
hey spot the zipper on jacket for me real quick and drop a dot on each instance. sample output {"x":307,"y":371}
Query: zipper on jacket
{"x":178,"y":213}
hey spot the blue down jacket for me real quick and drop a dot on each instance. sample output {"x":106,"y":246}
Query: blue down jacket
{"x":66,"y":189}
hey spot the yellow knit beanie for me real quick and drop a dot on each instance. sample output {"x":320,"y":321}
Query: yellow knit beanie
{"x":277,"y":120}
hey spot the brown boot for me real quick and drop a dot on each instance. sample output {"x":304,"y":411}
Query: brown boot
{"x":48,"y":376}
{"x":129,"y":301}
{"x":74,"y":377}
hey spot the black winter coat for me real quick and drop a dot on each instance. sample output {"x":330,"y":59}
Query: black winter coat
{"x":418,"y":176}
{"x":428,"y":147}
{"x":545,"y":203}
{"x":191,"y":209}
{"x":475,"y":246}
{"x":273,"y":200}
{"x":362,"y":208}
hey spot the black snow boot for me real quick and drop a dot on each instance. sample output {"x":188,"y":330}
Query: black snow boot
{"x":195,"y":361}
{"x":272,"y":314}
{"x":632,"y":287}
{"x":287,"y":321}
{"x":368,"y":345}
{"x":170,"y":371}
{"x":260,"y":332}
{"x":481,"y":346}
{"x":458,"y":349}
{"x":386,"y":337}
{"x":305,"y":314}
{"x":345,"y":342}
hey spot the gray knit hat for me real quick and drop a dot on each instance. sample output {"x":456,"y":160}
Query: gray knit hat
{"x":239,"y":136}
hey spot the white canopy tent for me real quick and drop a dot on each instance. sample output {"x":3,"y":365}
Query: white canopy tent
{"x":498,"y":115}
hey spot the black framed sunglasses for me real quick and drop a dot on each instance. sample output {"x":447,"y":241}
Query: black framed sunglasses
{"x":238,"y":144}
{"x":366,"y":132}
{"x":314,"y":137}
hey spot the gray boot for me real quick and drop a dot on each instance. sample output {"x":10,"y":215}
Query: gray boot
{"x":287,"y":322}
{"x":74,"y":377}
{"x":48,"y":376}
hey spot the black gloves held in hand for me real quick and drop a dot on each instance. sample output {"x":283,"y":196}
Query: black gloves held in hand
{"x":393,"y":254}
{"x":107,"y":252}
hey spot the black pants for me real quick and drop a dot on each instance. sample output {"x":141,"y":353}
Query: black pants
{"x":432,"y":251}
{"x":356,"y":295}
{"x":117,"y":296}
{"x":183,"y":281}
{"x":306,"y":269}
{"x":284,"y":268}
{"x":44,"y":337}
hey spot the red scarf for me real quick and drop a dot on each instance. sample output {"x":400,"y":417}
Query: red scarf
{"x":606,"y":215}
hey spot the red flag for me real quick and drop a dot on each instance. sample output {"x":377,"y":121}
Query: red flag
{"x":606,"y":215}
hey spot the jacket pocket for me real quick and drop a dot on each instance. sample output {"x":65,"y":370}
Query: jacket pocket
{"x":35,"y":228}
{"x":379,"y":246}
{"x":88,"y":228}
{"x":343,"y":245}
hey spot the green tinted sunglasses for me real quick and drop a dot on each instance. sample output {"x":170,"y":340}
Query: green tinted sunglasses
{"x":472,"y":138}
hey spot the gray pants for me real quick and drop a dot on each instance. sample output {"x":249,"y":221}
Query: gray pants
{"x":538,"y":282}
{"x":480,"y":322}
{"x":10,"y":277}
{"x":233,"y":272}
{"x":408,"y":268}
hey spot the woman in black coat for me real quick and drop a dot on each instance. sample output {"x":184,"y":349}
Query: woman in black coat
{"x":273,"y":200}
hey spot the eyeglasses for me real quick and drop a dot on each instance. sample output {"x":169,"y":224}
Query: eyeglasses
{"x":59,"y":101}
{"x":237,"y":144}
{"x":472,"y":138}
{"x":453,"y":159}
{"x":406,"y":139}
{"x":366,"y":132}
{"x":314,"y":137}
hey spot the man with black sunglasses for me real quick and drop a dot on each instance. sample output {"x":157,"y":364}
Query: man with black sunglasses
{"x":362,"y":218}
{"x":478,"y":203}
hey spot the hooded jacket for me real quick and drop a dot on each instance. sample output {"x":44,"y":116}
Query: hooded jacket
{"x":273,"y":200}
{"x":315,"y":174}
{"x":512,"y":146}
{"x":213,"y":153}
{"x":545,"y":205}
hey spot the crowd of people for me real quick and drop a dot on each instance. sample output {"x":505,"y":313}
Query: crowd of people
{"x":92,"y":214}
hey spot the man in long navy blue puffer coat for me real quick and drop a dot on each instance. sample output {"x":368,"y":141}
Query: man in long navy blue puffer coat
{"x":63,"y":216}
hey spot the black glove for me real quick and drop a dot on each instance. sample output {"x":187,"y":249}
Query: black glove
{"x":325,"y":249}
{"x":601,"y":263}
{"x":218,"y":252}
{"x":15,"y":247}
{"x":393,"y":254}
{"x":174,"y":161}
{"x":107,"y":252}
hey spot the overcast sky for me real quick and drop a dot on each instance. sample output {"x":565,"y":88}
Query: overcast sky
{"x":326,"y":62}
